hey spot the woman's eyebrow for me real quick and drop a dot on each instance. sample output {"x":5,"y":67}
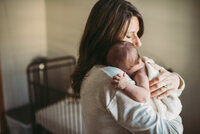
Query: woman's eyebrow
{"x":131,"y":32}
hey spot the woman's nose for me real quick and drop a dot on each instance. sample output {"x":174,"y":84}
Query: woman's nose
{"x":136,"y":42}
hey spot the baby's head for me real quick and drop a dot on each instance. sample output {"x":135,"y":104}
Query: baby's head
{"x":124,"y":56}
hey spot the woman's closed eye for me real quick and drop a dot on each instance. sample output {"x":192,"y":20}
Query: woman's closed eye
{"x":128,"y":37}
{"x":131,"y":35}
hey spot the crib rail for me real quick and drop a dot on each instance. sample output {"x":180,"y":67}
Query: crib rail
{"x":63,"y":117}
{"x":49,"y":82}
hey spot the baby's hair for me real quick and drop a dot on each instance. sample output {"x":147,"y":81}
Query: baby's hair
{"x":120,"y":52}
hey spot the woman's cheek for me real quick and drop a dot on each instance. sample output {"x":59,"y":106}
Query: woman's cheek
{"x":128,"y":40}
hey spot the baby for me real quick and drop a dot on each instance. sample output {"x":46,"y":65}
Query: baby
{"x":124,"y":55}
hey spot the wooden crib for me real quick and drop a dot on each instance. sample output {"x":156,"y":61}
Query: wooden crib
{"x":55,"y":108}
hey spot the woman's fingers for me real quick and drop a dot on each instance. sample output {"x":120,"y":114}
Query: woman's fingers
{"x":165,"y":94}
{"x":158,"y":92}
{"x":162,"y":92}
{"x":158,"y":79}
{"x":165,"y":83}
{"x":156,"y":66}
{"x":158,"y":85}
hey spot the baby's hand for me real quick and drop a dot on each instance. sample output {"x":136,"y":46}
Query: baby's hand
{"x":119,"y":82}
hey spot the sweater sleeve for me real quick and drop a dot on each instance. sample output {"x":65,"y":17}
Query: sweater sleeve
{"x":181,"y":86}
{"x":140,"y":118}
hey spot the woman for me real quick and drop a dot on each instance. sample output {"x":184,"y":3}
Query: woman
{"x":105,"y":109}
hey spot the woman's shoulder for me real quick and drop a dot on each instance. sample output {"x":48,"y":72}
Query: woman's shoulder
{"x":110,"y":71}
{"x":106,"y":70}
{"x":97,"y":86}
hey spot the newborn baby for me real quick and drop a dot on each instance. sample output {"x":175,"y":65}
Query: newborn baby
{"x":124,"y":56}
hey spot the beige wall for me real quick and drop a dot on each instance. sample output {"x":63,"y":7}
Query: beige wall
{"x":65,"y":22}
{"x":172,"y":38}
{"x":23,"y":36}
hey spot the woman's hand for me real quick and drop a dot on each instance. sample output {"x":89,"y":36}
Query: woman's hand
{"x":164,"y":84}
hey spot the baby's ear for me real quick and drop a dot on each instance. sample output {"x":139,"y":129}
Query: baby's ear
{"x":140,"y":64}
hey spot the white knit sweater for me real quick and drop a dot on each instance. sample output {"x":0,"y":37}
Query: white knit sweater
{"x":110,"y":111}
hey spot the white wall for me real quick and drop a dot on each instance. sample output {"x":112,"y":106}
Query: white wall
{"x":23,"y":36}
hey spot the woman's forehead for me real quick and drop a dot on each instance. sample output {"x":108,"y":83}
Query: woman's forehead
{"x":134,"y":25}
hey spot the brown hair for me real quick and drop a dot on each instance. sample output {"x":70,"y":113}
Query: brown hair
{"x":121,"y":52}
{"x":107,"y":23}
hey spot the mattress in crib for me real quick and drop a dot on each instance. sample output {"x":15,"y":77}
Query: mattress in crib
{"x":63,"y":117}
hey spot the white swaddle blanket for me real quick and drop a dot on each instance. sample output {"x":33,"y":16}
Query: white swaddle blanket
{"x":169,"y":107}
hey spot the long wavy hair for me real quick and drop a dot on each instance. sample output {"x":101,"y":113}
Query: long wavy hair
{"x":107,"y":23}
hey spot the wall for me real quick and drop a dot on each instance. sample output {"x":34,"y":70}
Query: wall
{"x":23,"y":36}
{"x":65,"y":22}
{"x":171,"y":38}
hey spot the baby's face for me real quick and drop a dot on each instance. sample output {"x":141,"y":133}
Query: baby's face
{"x":133,"y":67}
{"x":132,"y":64}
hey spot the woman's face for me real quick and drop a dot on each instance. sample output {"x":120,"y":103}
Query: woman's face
{"x":131,"y":35}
